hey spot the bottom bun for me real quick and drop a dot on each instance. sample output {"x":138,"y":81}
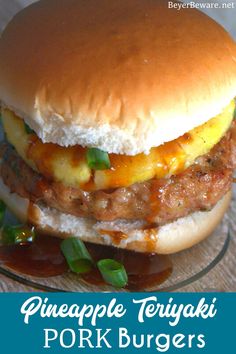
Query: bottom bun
{"x":170,"y":238}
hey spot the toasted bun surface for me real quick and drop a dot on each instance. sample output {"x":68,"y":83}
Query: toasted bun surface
{"x":121,"y":76}
{"x":171,"y":238}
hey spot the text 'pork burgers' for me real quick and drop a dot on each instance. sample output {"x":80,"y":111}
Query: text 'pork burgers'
{"x":118,"y":118}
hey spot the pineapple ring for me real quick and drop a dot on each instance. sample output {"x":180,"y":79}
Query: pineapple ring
{"x":69,"y":165}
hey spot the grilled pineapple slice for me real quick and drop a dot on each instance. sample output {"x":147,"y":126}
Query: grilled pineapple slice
{"x":169,"y":158}
{"x":14,"y":129}
{"x":69,"y":166}
{"x":208,"y":134}
{"x":66,"y":165}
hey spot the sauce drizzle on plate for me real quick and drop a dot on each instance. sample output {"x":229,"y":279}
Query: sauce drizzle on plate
{"x":43,"y":258}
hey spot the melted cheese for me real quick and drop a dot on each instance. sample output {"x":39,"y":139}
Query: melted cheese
{"x":69,"y":166}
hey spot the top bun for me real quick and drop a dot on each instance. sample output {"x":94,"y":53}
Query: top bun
{"x":123,"y":76}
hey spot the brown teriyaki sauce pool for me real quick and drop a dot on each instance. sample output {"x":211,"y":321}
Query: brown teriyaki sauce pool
{"x":43,"y":258}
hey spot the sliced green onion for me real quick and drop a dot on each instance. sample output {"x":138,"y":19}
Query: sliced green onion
{"x":28,"y":129}
{"x":17,"y":235}
{"x":98,"y":159}
{"x":113,"y":272}
{"x":77,"y":255}
{"x":2,"y":211}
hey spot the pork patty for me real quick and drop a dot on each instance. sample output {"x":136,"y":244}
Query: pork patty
{"x":157,"y":201}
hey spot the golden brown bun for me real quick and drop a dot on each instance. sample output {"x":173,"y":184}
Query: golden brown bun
{"x":122,"y":76}
{"x":171,"y":238}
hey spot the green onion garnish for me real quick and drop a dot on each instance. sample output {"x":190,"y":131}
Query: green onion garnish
{"x":113,"y":272}
{"x":2,"y":211}
{"x":77,"y":255}
{"x":17,"y":235}
{"x":98,"y":159}
{"x":28,"y":129}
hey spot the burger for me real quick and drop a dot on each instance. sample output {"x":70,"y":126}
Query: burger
{"x":118,"y":122}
